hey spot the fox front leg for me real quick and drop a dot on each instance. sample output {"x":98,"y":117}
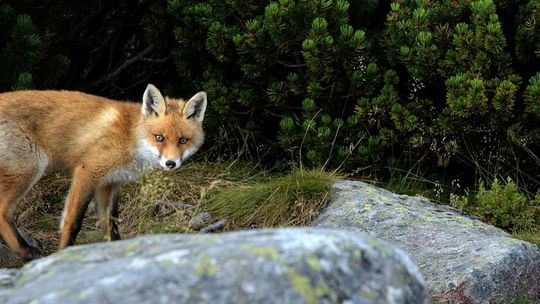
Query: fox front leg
{"x":107,"y":207}
{"x":80,"y":195}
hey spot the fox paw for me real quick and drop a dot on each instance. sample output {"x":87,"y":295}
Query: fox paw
{"x":30,"y":253}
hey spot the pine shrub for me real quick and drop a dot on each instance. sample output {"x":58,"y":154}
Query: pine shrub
{"x":437,"y":84}
{"x":287,"y":72}
{"x":23,"y":55}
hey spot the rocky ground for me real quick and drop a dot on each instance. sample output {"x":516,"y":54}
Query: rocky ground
{"x":368,"y":246}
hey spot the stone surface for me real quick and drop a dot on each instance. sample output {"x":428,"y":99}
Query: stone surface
{"x":304,"y":265}
{"x":214,"y":227}
{"x":7,"y":276}
{"x":200,"y":220}
{"x":462,"y":259}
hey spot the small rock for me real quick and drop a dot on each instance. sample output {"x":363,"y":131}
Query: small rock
{"x":215,"y":226}
{"x":164,"y":208}
{"x":200,"y":220}
{"x":28,"y":238}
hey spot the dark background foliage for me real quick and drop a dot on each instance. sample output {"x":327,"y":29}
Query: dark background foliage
{"x":449,"y":89}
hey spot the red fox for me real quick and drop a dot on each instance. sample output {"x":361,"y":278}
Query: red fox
{"x":104,"y":143}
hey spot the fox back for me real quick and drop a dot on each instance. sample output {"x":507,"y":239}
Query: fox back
{"x":104,"y":144}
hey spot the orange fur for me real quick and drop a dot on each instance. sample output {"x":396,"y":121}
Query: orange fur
{"x":104,"y":144}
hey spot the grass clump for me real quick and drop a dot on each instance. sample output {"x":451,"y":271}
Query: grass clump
{"x":164,"y":202}
{"x":531,"y":236}
{"x":293,"y":199}
{"x":503,"y":205}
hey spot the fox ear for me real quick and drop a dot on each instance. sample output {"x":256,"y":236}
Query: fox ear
{"x":153,"y":102}
{"x":195,"y":107}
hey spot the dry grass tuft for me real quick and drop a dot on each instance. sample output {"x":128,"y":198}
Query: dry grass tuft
{"x":162,"y":202}
{"x":291,"y":200}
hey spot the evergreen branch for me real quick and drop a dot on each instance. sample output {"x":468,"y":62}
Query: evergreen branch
{"x":291,"y":65}
{"x":128,"y":63}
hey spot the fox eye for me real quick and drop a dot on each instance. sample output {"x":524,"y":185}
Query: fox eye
{"x":182,"y":140}
{"x":159,"y":137}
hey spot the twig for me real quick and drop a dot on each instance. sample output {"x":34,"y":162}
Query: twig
{"x":121,"y":68}
{"x":290,"y":65}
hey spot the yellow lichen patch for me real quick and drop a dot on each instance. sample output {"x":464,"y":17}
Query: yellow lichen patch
{"x":467,"y":224}
{"x":400,"y":208}
{"x":368,"y":295}
{"x":265,"y":252}
{"x":206,"y":267}
{"x":368,"y":207}
{"x":370,"y":190}
{"x":313,"y":262}
{"x":357,"y":252}
{"x":302,"y":284}
{"x":378,"y":246}
{"x":131,"y":246}
{"x":384,"y":198}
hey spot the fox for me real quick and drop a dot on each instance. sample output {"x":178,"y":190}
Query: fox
{"x":103,"y":143}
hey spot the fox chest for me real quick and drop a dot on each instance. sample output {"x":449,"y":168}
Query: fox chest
{"x":131,"y":172}
{"x":124,"y":175}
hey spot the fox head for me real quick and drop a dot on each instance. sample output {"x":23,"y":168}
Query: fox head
{"x":171,"y":128}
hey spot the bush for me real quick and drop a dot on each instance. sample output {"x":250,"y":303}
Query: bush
{"x":503,"y":205}
{"x":22,"y":53}
{"x":107,"y":48}
{"x":461,"y":91}
{"x":287,"y":73}
{"x":434,"y":83}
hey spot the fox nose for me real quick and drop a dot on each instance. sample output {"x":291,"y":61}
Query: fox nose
{"x":170,"y":164}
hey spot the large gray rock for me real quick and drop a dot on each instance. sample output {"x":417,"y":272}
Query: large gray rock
{"x":462,"y":259}
{"x":305,"y":265}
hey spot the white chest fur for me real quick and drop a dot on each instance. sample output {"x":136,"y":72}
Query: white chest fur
{"x":145,"y":158}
